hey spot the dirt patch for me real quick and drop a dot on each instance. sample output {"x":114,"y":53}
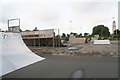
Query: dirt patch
{"x":79,"y":50}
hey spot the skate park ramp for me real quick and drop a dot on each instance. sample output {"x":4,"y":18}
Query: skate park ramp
{"x":101,"y":41}
{"x":14,"y":54}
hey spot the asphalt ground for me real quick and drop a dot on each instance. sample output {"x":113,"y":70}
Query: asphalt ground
{"x":64,"y":66}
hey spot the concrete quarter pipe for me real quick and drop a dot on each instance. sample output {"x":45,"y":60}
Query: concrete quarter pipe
{"x":14,"y":54}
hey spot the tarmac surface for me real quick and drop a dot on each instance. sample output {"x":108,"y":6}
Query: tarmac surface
{"x":63,"y":67}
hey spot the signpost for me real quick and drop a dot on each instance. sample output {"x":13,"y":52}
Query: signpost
{"x":15,"y":28}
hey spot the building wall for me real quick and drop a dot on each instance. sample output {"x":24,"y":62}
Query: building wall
{"x":38,"y":34}
{"x":76,"y":40}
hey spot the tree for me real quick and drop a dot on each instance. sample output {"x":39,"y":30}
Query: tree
{"x":80,"y":35}
{"x":63,"y":35}
{"x":35,"y":29}
{"x":68,"y":35}
{"x":86,"y":34}
{"x":27,"y":30}
{"x":117,"y":32}
{"x":75,"y":34}
{"x":102,"y":30}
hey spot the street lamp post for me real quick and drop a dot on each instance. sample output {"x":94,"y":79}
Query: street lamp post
{"x":70,"y":25}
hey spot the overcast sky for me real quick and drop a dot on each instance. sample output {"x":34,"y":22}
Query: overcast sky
{"x":48,"y":14}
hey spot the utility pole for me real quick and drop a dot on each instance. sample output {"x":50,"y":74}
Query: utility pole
{"x":59,"y":37}
{"x":80,"y":31}
{"x":70,"y":25}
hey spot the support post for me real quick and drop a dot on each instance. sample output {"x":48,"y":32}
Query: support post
{"x":59,"y":37}
{"x":53,"y":39}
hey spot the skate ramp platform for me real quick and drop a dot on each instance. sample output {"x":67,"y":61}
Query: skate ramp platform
{"x":101,"y":42}
{"x":14,"y":54}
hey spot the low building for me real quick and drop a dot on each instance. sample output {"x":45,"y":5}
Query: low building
{"x":41,"y":38}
